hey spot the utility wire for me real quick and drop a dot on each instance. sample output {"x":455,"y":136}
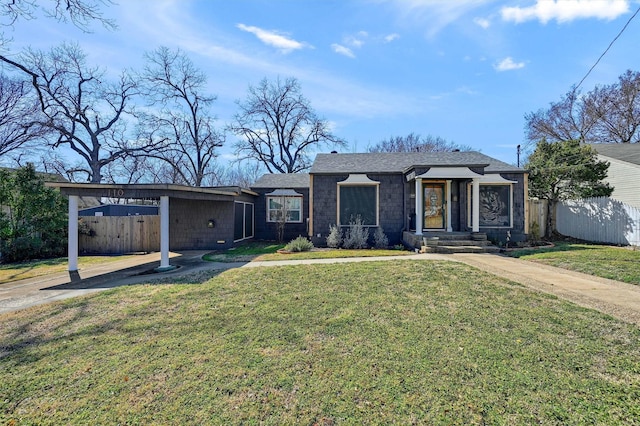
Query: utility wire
{"x":607,"y":49}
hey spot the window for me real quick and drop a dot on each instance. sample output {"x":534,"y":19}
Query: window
{"x":495,"y":206}
{"x":358,"y":196}
{"x":243,"y":221}
{"x":288,"y":205}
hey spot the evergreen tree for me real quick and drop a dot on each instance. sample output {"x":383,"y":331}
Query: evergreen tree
{"x":565,"y":170}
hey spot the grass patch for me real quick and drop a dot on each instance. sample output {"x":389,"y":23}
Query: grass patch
{"x":19,"y":271}
{"x":267,"y":251}
{"x":331,"y":254}
{"x":616,"y":263}
{"x":244,"y":252}
{"x":397,"y":342}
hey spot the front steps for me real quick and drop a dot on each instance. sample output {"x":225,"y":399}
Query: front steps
{"x":450,"y":242}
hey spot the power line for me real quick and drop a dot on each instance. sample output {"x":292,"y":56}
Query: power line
{"x":607,"y":49}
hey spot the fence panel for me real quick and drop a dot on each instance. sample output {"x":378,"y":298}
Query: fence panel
{"x":600,"y":219}
{"x":538,"y":214}
{"x":120,"y":234}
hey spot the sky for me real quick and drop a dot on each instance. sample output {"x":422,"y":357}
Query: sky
{"x":464,"y":70}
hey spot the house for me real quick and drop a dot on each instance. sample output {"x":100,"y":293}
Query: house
{"x":408,"y":195}
{"x":624,"y":165}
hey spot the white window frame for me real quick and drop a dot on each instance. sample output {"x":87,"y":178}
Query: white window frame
{"x":355,"y":180}
{"x":284,"y":199}
{"x":469,"y":205}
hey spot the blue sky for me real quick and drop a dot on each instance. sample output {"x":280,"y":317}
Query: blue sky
{"x":464,"y":70}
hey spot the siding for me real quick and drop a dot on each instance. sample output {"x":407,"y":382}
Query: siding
{"x":392,"y":192}
{"x":268,"y":230}
{"x":622,"y":176}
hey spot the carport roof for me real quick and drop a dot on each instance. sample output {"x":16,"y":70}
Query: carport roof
{"x":151,"y":190}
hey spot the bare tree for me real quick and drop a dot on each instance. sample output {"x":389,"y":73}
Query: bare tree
{"x":239,"y":174}
{"x":79,"y":12}
{"x":173,"y":83}
{"x":278,"y":128}
{"x":19,"y":116}
{"x":606,"y":114}
{"x":86,"y":112}
{"x":416,"y":143}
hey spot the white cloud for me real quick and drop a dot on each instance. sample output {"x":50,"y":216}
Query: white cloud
{"x":508,"y":64}
{"x":273,"y":38}
{"x":482,"y":22}
{"x":391,"y":37}
{"x":566,"y":10}
{"x":435,"y":15}
{"x":342,"y":50}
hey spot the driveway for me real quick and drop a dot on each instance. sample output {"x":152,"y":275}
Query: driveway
{"x":617,"y":299}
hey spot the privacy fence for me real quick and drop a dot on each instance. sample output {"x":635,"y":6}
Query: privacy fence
{"x":119,"y":234}
{"x":600,"y":219}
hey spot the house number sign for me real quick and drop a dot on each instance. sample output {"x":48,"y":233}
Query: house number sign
{"x":115,"y":193}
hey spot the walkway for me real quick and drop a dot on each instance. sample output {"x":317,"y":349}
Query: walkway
{"x":612,"y":297}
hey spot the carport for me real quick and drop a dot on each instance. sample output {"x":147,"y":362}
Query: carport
{"x":191,"y":218}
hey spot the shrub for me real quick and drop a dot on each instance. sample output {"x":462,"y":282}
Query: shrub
{"x":334,"y":239}
{"x":299,"y":244}
{"x":380,"y":239}
{"x":356,"y":236}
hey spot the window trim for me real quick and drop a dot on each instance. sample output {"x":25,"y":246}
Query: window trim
{"x":356,"y":180}
{"x":511,"y":210}
{"x":244,"y":220}
{"x":284,"y":194}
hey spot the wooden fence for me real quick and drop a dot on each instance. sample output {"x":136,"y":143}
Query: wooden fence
{"x":120,"y":234}
{"x":538,"y":216}
{"x":600,"y":219}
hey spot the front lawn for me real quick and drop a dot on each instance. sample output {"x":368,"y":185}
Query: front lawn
{"x":395,"y":342}
{"x":616,"y":263}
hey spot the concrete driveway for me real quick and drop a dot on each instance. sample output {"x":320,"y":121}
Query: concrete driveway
{"x":612,"y":297}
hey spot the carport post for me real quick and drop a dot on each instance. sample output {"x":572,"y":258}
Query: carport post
{"x":73,"y":233}
{"x":164,"y":233}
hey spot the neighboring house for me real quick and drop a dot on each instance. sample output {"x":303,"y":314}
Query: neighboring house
{"x":407,"y":194}
{"x":119,"y":210}
{"x":624,"y":168}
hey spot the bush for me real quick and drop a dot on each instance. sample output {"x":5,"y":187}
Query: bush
{"x":299,"y":244}
{"x":380,"y":239}
{"x":334,"y":239}
{"x":356,"y":236}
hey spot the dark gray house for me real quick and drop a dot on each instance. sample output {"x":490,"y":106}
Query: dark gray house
{"x":409,"y":195}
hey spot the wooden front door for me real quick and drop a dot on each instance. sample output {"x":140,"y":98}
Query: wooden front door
{"x":434,"y":205}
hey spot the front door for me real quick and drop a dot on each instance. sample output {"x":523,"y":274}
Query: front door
{"x":434,"y":202}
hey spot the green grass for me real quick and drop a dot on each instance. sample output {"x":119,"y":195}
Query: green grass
{"x":267,"y":251}
{"x":396,"y":342}
{"x":19,"y":271}
{"x":616,"y":263}
{"x":244,"y":252}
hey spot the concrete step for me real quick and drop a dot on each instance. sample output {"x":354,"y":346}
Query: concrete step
{"x":453,"y":236}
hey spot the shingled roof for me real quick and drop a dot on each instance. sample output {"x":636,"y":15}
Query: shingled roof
{"x":629,"y":152}
{"x":283,"y":180}
{"x":397,"y":162}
